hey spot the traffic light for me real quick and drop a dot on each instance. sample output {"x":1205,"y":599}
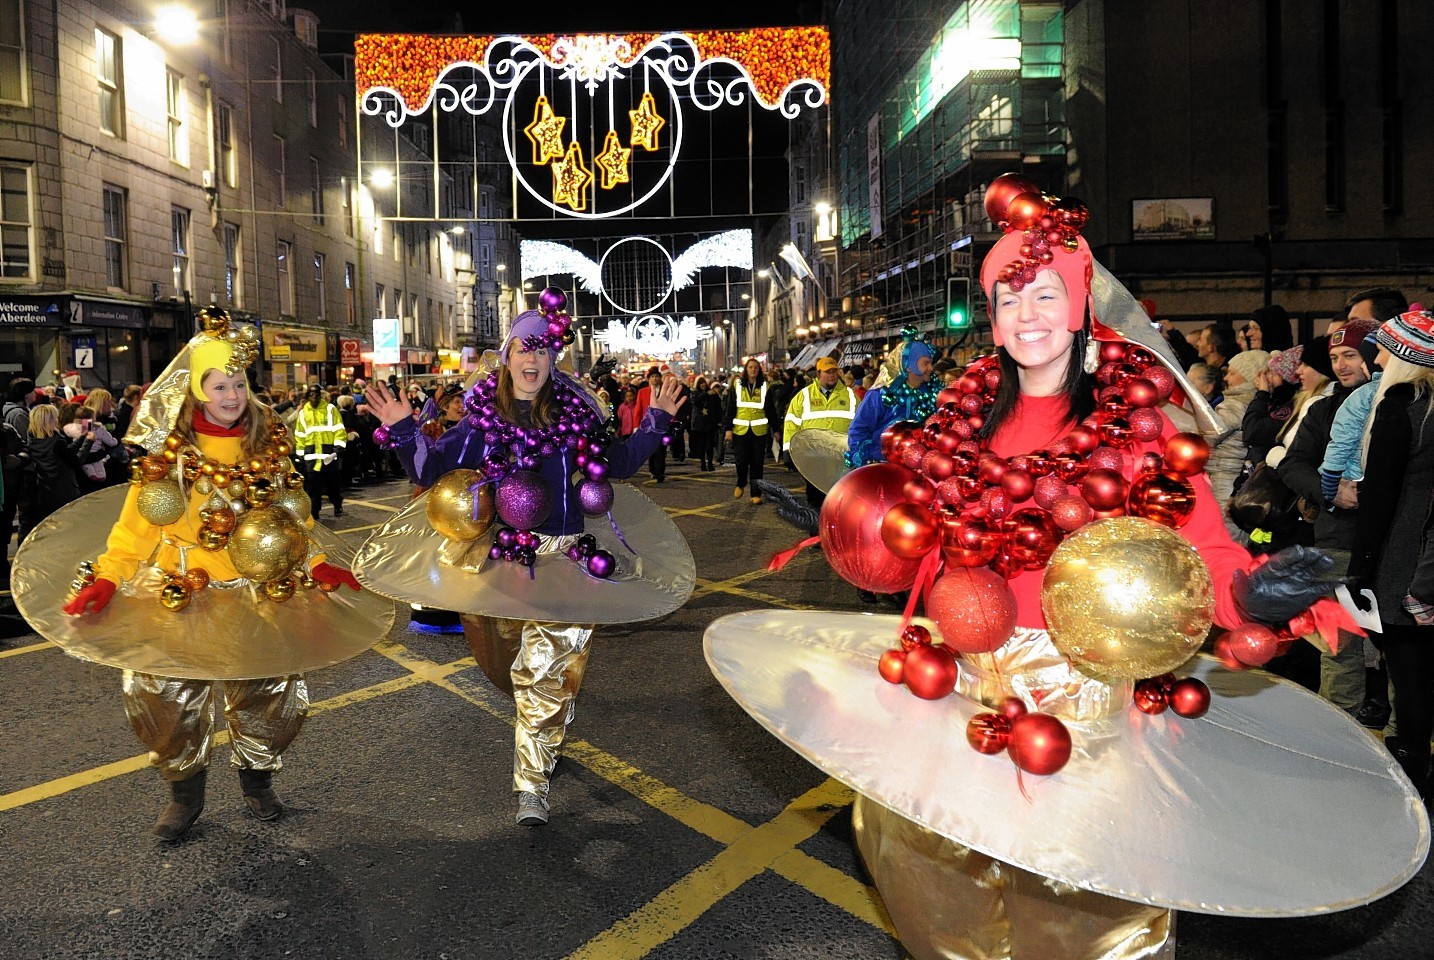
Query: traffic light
{"x":958,"y":303}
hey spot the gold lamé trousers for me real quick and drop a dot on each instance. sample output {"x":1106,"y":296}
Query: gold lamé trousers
{"x":949,"y":902}
{"x":541,"y":666}
{"x":175,"y":719}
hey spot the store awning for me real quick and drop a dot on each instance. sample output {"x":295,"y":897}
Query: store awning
{"x":803,"y":357}
{"x":813,"y":352}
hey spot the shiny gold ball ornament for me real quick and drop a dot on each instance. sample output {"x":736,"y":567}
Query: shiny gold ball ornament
{"x":294,"y":481}
{"x":1127,"y":598}
{"x":161,"y":502}
{"x":455,"y":510}
{"x":281,"y":589}
{"x":213,"y":320}
{"x":196,"y":579}
{"x":211,"y":539}
{"x":222,"y":520}
{"x":85,"y":570}
{"x":260,"y":493}
{"x":204,"y":486}
{"x":296,"y":501}
{"x":248,"y":333}
{"x":173,"y":442}
{"x":153,"y":468}
{"x":174,"y":596}
{"x":267,"y":543}
{"x":236,"y":489}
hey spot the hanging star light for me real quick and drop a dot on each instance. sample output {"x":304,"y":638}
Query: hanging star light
{"x":646,"y":123}
{"x":613,"y":161}
{"x":545,"y":132}
{"x":571,"y":179}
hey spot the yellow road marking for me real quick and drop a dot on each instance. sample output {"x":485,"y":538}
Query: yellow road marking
{"x":681,"y":904}
{"x":43,"y":645}
{"x":371,"y":504}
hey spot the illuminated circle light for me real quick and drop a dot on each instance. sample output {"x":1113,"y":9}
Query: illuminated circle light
{"x":636,"y":274}
{"x":772,"y":58}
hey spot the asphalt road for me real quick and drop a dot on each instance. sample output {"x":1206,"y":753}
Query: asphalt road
{"x":679,"y":828}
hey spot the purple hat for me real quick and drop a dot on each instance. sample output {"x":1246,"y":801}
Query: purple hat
{"x":526,"y":326}
{"x":1286,"y":363}
{"x":1358,"y":334}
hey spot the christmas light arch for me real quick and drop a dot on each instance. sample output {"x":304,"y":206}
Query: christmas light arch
{"x":401,"y":76}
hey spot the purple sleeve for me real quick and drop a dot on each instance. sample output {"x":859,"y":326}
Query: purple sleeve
{"x":627,"y":455}
{"x":425,"y":460}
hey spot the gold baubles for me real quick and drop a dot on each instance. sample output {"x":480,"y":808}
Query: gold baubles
{"x":161,"y":502}
{"x":260,"y":493}
{"x":1126,"y":599}
{"x":174,"y":596}
{"x":267,"y":543}
{"x":211,"y":539}
{"x":281,"y":589}
{"x":455,"y":510}
{"x":296,"y":502}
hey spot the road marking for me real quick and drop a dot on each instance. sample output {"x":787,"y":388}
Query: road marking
{"x":371,"y":526}
{"x":43,"y":645}
{"x":371,"y":504}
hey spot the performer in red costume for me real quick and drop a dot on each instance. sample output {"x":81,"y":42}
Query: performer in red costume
{"x":1128,"y":817}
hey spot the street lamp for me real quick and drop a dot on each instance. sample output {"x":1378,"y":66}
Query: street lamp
{"x":176,"y":24}
{"x":381,"y":178}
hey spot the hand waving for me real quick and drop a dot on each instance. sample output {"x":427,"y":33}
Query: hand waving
{"x":388,"y":408}
{"x":669,"y":398}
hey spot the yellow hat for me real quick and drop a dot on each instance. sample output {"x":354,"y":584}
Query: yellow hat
{"x":212,"y":354}
{"x":826,"y":363}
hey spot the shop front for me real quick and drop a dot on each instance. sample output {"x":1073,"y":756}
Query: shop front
{"x":90,"y":342}
{"x":295,"y":356}
{"x":355,"y":359}
{"x":418,"y":362}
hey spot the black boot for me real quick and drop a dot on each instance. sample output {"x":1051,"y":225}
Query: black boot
{"x":186,"y":803}
{"x":259,"y":795}
{"x":1374,"y":711}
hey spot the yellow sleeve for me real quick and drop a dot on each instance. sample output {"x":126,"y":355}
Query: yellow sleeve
{"x":132,"y":541}
{"x":793,"y":421}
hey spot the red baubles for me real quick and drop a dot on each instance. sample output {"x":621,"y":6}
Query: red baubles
{"x":1190,"y":698}
{"x":1039,"y":744}
{"x":929,"y":672}
{"x":910,"y":531}
{"x":974,"y":608}
{"x":1002,"y":191}
{"x":1162,"y":498}
{"x":969,"y":541}
{"x":1104,"y":489}
{"x":1252,"y":644}
{"x":891,"y":666}
{"x":1186,"y":454}
{"x":988,"y":733}
{"x":850,"y":529}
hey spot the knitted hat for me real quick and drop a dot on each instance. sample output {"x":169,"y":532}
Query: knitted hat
{"x":1274,"y":324}
{"x":1286,"y":363}
{"x":1355,"y":334}
{"x":1410,"y":336}
{"x":1247,"y":363}
{"x":1316,"y":357}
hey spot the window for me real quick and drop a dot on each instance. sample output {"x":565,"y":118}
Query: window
{"x":348,"y":212}
{"x":176,"y":107}
{"x":233,"y":277}
{"x":350,"y":294}
{"x":16,"y":242}
{"x":224,"y":144}
{"x":278,"y":70}
{"x":281,"y":181}
{"x":109,"y":73}
{"x":378,"y":300}
{"x":114,"y":236}
{"x":485,"y":261}
{"x":12,"y":52}
{"x":316,"y":192}
{"x":221,"y":18}
{"x":397,"y":247}
{"x":483,"y":206}
{"x":179,"y":248}
{"x":343,"y":124}
{"x":312,"y":86}
{"x":284,"y":257}
{"x":320,"y":293}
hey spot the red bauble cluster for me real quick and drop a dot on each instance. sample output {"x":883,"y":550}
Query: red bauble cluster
{"x":1016,"y":204}
{"x":1037,"y":743}
{"x":1254,"y":644}
{"x":928,"y":671}
{"x":1188,"y":698}
{"x":944,"y":489}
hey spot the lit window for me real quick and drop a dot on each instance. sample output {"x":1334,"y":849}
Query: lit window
{"x":179,"y":248}
{"x":176,"y":106}
{"x":284,"y":257}
{"x":108,"y":72}
{"x":12,"y":52}
{"x":114,"y":236}
{"x":233,"y":277}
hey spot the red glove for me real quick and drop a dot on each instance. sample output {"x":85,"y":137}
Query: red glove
{"x":331,"y":576}
{"x":92,"y":598}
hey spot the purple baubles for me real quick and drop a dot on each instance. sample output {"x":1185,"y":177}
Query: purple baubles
{"x":551,"y":300}
{"x":523,"y":500}
{"x":595,"y":497}
{"x":602,"y":564}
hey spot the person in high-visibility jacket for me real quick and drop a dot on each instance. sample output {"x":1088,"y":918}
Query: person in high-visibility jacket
{"x":751,"y":408}
{"x":319,"y":435}
{"x":824,"y":404}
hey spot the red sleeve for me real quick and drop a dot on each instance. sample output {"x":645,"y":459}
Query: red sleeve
{"x":644,"y":399}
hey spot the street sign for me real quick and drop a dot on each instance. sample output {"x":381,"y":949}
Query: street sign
{"x":350,"y":352}
{"x":386,"y":340}
{"x":84,"y":348}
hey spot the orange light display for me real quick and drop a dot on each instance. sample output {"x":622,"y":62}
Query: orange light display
{"x":772,"y":57}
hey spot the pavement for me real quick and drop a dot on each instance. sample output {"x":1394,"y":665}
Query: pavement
{"x":680,"y":830}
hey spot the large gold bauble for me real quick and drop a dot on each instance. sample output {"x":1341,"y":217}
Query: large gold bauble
{"x":267,"y":543}
{"x":1126,"y":599}
{"x":174,"y":596}
{"x":161,"y":502}
{"x":455,"y":510}
{"x":281,"y":589}
{"x":296,"y":502}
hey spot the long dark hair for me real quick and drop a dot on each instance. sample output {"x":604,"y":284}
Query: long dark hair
{"x":1079,"y":387}
{"x":545,"y":407}
{"x":761,"y":375}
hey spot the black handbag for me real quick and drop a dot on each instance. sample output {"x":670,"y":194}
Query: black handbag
{"x":1263,"y":502}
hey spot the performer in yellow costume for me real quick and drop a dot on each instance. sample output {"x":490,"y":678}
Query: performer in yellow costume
{"x":212,"y":538}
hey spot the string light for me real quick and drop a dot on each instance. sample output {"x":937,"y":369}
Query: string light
{"x":613,"y":161}
{"x":646,"y":123}
{"x":545,"y":132}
